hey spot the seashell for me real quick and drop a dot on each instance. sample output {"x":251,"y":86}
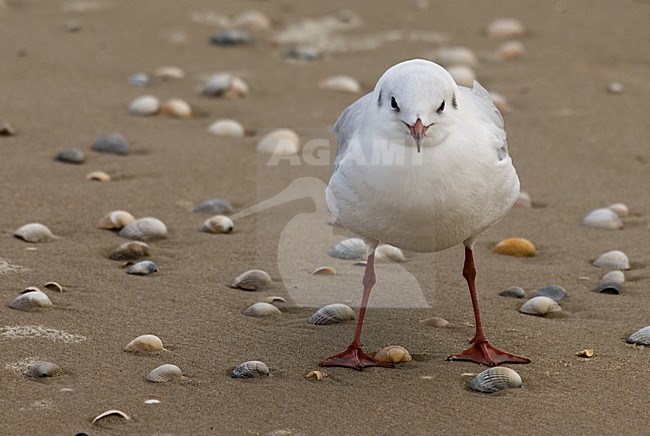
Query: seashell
{"x":130,"y":251}
{"x":147,"y":343}
{"x":388,"y":253}
{"x":99,"y":176}
{"x":324,"y":271}
{"x":608,"y":288}
{"x":139,"y":79}
{"x":540,"y":306}
{"x":71,"y":155}
{"x":254,"y":21}
{"x":331,"y":314}
{"x":554,"y":292}
{"x":619,"y":209}
{"x":462,"y":75}
{"x":262,"y":309}
{"x":250,"y":369}
{"x":43,"y":369}
{"x":518,"y":247}
{"x":614,"y":259}
{"x":217,"y":206}
{"x":514,"y":292}
{"x":280,"y":142}
{"x":524,"y":200}
{"x":274,"y":299}
{"x":217,"y":224}
{"x":603,"y":219}
{"x":152,"y":401}
{"x":252,"y":280}
{"x":340,"y":83}
{"x":142,"y":268}
{"x":640,"y":337}
{"x":169,"y":72}
{"x":435,"y":321}
{"x":225,"y":85}
{"x":351,"y":248}
{"x":176,"y":108}
{"x":53,"y":286}
{"x":615,"y":87}
{"x":450,"y":56}
{"x":144,"y":229}
{"x":110,"y":413}
{"x":30,"y":299}
{"x":317,"y":375}
{"x":34,"y":233}
{"x":115,"y":220}
{"x":164,"y":373}
{"x":617,"y":277}
{"x":230,"y":37}
{"x":393,"y":354}
{"x":227,"y":128}
{"x":511,"y":50}
{"x":501,"y":103}
{"x":144,"y":106}
{"x":302,"y":53}
{"x":503,"y":28}
{"x":589,"y":352}
{"x":495,"y":379}
{"x":6,"y":129}
{"x":111,"y":143}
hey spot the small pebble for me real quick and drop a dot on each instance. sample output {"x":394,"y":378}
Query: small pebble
{"x":112,"y":143}
{"x":72,"y":155}
{"x":615,"y":87}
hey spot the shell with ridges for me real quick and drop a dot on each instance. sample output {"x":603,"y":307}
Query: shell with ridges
{"x":131,"y":250}
{"x":98,"y":176}
{"x":640,"y":337}
{"x":108,"y":413}
{"x":614,"y":259}
{"x":176,"y":108}
{"x":351,"y":248}
{"x":262,"y":309}
{"x":331,"y":314}
{"x":147,"y":343}
{"x":603,"y":219}
{"x":615,"y":276}
{"x":514,"y":292}
{"x":217,"y":224}
{"x":608,"y":288}
{"x":34,"y":233}
{"x":280,"y":142}
{"x":217,"y":206}
{"x":340,"y":83}
{"x":495,"y":379}
{"x":227,"y":128}
{"x":30,"y":299}
{"x":43,"y":369}
{"x":112,"y":143}
{"x":519,"y":247}
{"x":144,"y":229}
{"x":164,"y":373}
{"x":115,"y":220}
{"x":540,"y":306}
{"x":144,"y":106}
{"x":250,"y":369}
{"x":554,"y":292}
{"x":393,"y":354}
{"x":142,"y":268}
{"x":252,"y":280}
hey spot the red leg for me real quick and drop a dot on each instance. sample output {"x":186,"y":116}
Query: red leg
{"x":354,"y":357}
{"x":481,"y":351}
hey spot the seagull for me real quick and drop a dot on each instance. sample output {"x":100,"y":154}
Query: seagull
{"x":423,"y":165}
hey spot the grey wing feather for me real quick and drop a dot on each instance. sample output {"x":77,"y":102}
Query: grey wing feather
{"x":484,"y":102}
{"x":347,"y":125}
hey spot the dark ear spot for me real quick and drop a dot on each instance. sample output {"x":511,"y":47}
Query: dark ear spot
{"x":379,"y":99}
{"x":454,"y":102}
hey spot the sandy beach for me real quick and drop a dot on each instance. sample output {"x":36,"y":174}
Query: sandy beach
{"x":65,"y":82}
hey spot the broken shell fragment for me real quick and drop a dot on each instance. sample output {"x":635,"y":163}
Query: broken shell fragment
{"x":142,"y":268}
{"x":351,"y":248}
{"x":34,"y":233}
{"x":495,"y":379}
{"x":144,"y":229}
{"x":217,"y":224}
{"x":503,"y":28}
{"x":435,"y":321}
{"x":115,"y":220}
{"x":619,"y":209}
{"x":43,"y":369}
{"x":53,"y":286}
{"x":147,"y":343}
{"x":176,"y":108}
{"x":169,"y":72}
{"x":340,"y":83}
{"x":112,"y":143}
{"x":640,"y":337}
{"x":217,"y":206}
{"x":324,"y":271}
{"x":540,"y":306}
{"x":608,"y":288}
{"x":603,"y":219}
{"x":109,"y":413}
{"x":130,"y":251}
{"x":514,"y":292}
{"x":71,"y":155}
{"x":98,"y":176}
{"x":331,"y":314}
{"x":280,"y":142}
{"x":554,"y":292}
{"x":144,"y":106}
{"x":615,"y":259}
{"x":316,"y":375}
{"x":250,"y":369}
{"x":393,"y":354}
{"x":589,"y":352}
{"x":615,"y":276}
{"x":31,"y":299}
{"x":262,"y":309}
{"x":518,"y":247}
{"x":164,"y":373}
{"x":252,"y":280}
{"x":388,"y":253}
{"x":227,"y":128}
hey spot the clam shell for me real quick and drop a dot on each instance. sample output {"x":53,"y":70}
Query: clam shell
{"x":518,"y":247}
{"x":144,"y":229}
{"x":603,"y":219}
{"x":503,"y":28}
{"x":608,"y":288}
{"x":393,"y":354}
{"x":144,"y":106}
{"x":217,"y":206}
{"x":225,"y":85}
{"x":262,"y":309}
{"x":99,"y":176}
{"x":254,"y":21}
{"x":388,"y":253}
{"x":130,"y":251}
{"x":142,"y":268}
{"x":554,"y":292}
{"x":113,"y":143}
{"x":540,"y":306}
{"x":511,"y":50}
{"x":340,"y":83}
{"x":147,"y":343}
{"x":53,"y":286}
{"x":435,"y":321}
{"x":619,"y":209}
{"x":30,"y":299}
{"x":139,"y":79}
{"x":230,"y":37}
{"x":614,"y":259}
{"x":217,"y":224}
{"x":227,"y":128}
{"x":176,"y":108}
{"x":274,"y":299}
{"x":462,"y":75}
{"x":164,"y":373}
{"x":352,"y":248}
{"x":514,"y":292}
{"x":281,"y":142}
{"x":640,"y":337}
{"x":43,"y":369}
{"x":495,"y":379}
{"x":115,"y":220}
{"x":71,"y":155}
{"x":252,"y":280}
{"x":108,"y":413}
{"x":324,"y":271}
{"x":34,"y":233}
{"x":250,"y":369}
{"x":331,"y":314}
{"x":615,"y":276}
{"x":450,"y":56}
{"x":169,"y":72}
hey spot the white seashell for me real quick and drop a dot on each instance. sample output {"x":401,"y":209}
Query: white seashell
{"x":351,"y":248}
{"x":144,"y":106}
{"x":176,"y":108}
{"x":388,"y":253}
{"x":262,"y":309}
{"x":614,"y":259}
{"x":30,"y":299}
{"x":112,"y":143}
{"x":227,"y":128}
{"x":281,"y":142}
{"x":152,"y":401}
{"x":615,"y":87}
{"x":250,"y":369}
{"x":450,"y":56}
{"x":495,"y":379}
{"x":216,"y":206}
{"x":164,"y":373}
{"x":540,"y":306}
{"x":34,"y":233}
{"x":148,"y":343}
{"x":331,"y":314}
{"x":603,"y":219}
{"x":554,"y":292}
{"x":53,"y":286}
{"x":274,"y":299}
{"x":501,"y":103}
{"x":640,"y":337}
{"x":254,"y":21}
{"x":317,"y":375}
{"x":144,"y":229}
{"x":43,"y":369}
{"x":503,"y":28}
{"x":142,"y":268}
{"x":225,"y":85}
{"x":340,"y":83}
{"x":218,"y":224}
{"x":435,"y":321}
{"x":393,"y":354}
{"x":109,"y":413}
{"x":324,"y":271}
{"x":617,"y":277}
{"x":511,"y":50}
{"x":115,"y":220}
{"x":169,"y":72}
{"x":462,"y":75}
{"x":99,"y":176}
{"x":130,"y":251}
{"x":515,"y":292}
{"x":252,"y":280}
{"x":619,"y":209}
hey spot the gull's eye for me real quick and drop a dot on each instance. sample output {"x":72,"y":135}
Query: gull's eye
{"x":442,"y":107}
{"x":393,"y":104}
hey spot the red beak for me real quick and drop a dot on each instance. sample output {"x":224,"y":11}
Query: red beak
{"x":418,"y":130}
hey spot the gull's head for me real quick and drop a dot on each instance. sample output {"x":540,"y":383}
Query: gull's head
{"x":415,"y":100}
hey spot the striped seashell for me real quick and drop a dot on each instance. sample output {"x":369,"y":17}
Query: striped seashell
{"x":144,"y":229}
{"x":351,"y":248}
{"x":250,"y":369}
{"x":34,"y":233}
{"x":615,"y":259}
{"x":388,"y":253}
{"x":540,"y":306}
{"x":252,"y":280}
{"x":217,"y":224}
{"x":514,"y":292}
{"x":142,"y":268}
{"x":554,"y":292}
{"x":331,"y":314}
{"x":110,"y":413}
{"x":393,"y":354}
{"x":131,"y":250}
{"x":262,"y":309}
{"x":603,"y":219}
{"x":148,"y":343}
{"x":640,"y":337}
{"x":112,"y":143}
{"x":43,"y":369}
{"x":30,"y":299}
{"x":165,"y":373}
{"x":115,"y":220}
{"x":495,"y":379}
{"x":217,"y":206}
{"x":280,"y":142}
